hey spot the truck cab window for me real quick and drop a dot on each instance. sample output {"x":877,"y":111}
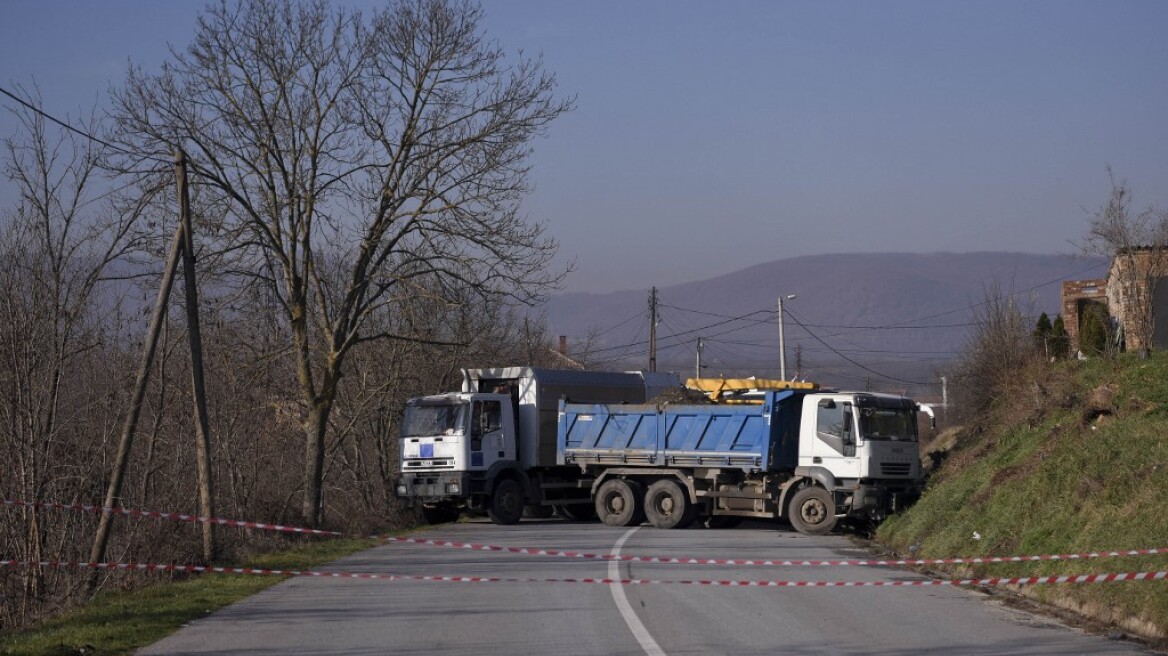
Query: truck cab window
{"x":427,"y":420}
{"x":486,"y":418}
{"x":492,"y":416}
{"x":834,"y":420}
{"x":889,"y":424}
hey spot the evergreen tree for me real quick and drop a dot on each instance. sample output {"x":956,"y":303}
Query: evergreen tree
{"x":1093,"y":330}
{"x":1059,"y":340}
{"x":1041,"y":333}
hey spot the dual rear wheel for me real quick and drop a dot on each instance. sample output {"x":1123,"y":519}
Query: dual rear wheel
{"x":665,"y":504}
{"x":619,"y":502}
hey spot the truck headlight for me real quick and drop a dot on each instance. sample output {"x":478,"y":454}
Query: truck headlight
{"x":402,"y":490}
{"x":453,"y":488}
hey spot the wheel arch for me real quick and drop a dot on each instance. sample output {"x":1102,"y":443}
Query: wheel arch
{"x":503,"y":469}
{"x":805,"y":476}
{"x":647,"y":477}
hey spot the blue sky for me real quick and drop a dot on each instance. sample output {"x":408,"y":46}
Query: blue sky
{"x":712,"y":136}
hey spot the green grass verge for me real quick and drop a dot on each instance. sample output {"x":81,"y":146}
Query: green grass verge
{"x":119,"y":622}
{"x":1068,"y":482}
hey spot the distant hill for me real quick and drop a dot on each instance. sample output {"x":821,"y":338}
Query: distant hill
{"x":884,"y":320}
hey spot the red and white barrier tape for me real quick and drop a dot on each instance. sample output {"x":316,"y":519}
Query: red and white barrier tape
{"x":197,"y":569}
{"x":674,"y":560}
{"x":535,"y":551}
{"x":194,"y":519}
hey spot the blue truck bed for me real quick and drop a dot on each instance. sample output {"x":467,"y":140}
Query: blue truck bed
{"x":749,"y":437}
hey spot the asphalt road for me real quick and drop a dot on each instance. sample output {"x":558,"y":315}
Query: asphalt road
{"x":353,"y":616}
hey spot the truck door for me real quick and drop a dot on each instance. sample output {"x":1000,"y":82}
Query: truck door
{"x":835,"y":439}
{"x":488,"y":440}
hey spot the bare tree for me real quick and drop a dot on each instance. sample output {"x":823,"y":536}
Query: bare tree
{"x":998,"y":349}
{"x":351,"y":156}
{"x":55,"y":246}
{"x":1137,"y":242}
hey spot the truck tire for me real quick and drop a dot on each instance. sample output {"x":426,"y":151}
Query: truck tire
{"x":618,"y":502}
{"x":507,"y":502}
{"x":812,"y":511}
{"x":667,"y":505}
{"x":439,"y":514}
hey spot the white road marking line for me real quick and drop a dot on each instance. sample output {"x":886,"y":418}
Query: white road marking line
{"x":622,"y":603}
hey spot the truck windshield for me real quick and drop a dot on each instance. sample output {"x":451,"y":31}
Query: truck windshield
{"x":428,"y":419}
{"x":888,"y":424}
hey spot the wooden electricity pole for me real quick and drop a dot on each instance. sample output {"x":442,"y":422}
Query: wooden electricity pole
{"x":194,"y":335}
{"x":182,"y":247}
{"x":114,"y":490}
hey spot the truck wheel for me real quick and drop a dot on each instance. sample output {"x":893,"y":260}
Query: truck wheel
{"x":812,"y":511}
{"x":506,"y":502}
{"x":618,"y":502}
{"x":667,"y":505}
{"x":439,"y":514}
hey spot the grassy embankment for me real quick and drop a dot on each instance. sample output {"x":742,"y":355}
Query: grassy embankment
{"x":118,"y":622}
{"x":1074,"y":459}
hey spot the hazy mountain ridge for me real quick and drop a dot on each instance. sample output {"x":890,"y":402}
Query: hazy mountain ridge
{"x":898,"y":314}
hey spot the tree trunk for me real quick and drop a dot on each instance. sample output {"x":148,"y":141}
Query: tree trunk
{"x":315,"y":429}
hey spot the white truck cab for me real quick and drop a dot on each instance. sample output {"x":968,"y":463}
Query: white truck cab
{"x":861,"y":438}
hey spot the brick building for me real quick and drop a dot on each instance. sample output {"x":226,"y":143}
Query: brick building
{"x":1137,"y":278}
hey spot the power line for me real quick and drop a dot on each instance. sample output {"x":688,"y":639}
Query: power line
{"x":909,"y":324}
{"x":638,"y":314}
{"x":76,"y":130}
{"x":689,"y":332}
{"x":770,"y":346}
{"x":833,"y":350}
{"x":726,"y":319}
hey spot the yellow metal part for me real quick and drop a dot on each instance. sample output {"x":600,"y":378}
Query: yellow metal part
{"x":723,"y":390}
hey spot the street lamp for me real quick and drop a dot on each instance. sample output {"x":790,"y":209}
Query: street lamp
{"x":782,"y":342}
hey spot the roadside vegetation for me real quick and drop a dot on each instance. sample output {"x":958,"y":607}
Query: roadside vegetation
{"x":1052,"y":452}
{"x":1060,"y":457}
{"x":121,"y":621}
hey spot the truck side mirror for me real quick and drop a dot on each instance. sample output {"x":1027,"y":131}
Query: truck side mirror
{"x":928,"y":409}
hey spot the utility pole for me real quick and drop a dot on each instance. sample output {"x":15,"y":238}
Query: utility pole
{"x":653,"y":329}
{"x":782,"y":340}
{"x":195,"y":338}
{"x":181,"y":250}
{"x":698,"y":366}
{"x":122,"y":458}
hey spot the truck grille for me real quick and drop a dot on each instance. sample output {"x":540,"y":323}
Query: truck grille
{"x":895,"y":468}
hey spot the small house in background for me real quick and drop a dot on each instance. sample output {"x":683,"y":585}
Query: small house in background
{"x":559,"y":358}
{"x":1136,"y":278}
